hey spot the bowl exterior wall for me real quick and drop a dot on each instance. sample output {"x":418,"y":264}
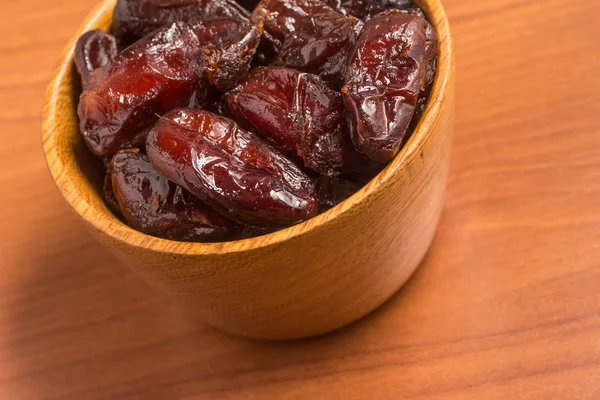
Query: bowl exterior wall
{"x":332,"y":274}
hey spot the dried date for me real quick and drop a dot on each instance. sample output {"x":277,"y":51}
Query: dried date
{"x":431,"y":51}
{"x":150,"y":77}
{"x":134,"y":19}
{"x":387,"y":71}
{"x":153,"y":205}
{"x":366,"y":9}
{"x":108,"y":194}
{"x":356,"y":8}
{"x":93,"y":50}
{"x":228,"y":44}
{"x":306,"y":35}
{"x":409,"y":10}
{"x":234,"y":171}
{"x":298,"y":113}
{"x":205,"y":178}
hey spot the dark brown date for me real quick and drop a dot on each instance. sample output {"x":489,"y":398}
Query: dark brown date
{"x":366,"y":9}
{"x":408,"y":10}
{"x":356,"y":8}
{"x":387,"y":71}
{"x":134,"y":19}
{"x":228,"y":44}
{"x":234,"y":171}
{"x":306,"y":35}
{"x":152,"y":76}
{"x":93,"y":50}
{"x":298,"y":113}
{"x":431,"y":51}
{"x":153,"y":205}
{"x":108,"y":194}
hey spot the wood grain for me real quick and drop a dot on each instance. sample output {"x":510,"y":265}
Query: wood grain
{"x":505,"y":306}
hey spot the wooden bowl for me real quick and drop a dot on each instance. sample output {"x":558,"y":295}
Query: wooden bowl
{"x":305,"y":280}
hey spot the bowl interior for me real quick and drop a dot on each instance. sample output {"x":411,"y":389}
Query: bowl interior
{"x":79,"y":174}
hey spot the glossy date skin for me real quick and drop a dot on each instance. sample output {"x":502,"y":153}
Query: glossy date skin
{"x":387,"y":72}
{"x":339,"y":101}
{"x":306,"y":35}
{"x":134,"y":19}
{"x":93,"y":50}
{"x":366,"y":9}
{"x":298,"y":113}
{"x":234,"y":171}
{"x":153,"y":205}
{"x":431,"y":52}
{"x":228,"y":45}
{"x":147,"y":79}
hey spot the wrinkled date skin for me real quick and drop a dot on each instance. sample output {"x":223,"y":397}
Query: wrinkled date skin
{"x":228,"y":44}
{"x":387,"y":72}
{"x":93,"y":50}
{"x":431,"y":52}
{"x":134,"y":19}
{"x":366,"y":9}
{"x":152,"y":76}
{"x":300,"y":114}
{"x":325,"y":93}
{"x":306,"y":35}
{"x":108,"y":194}
{"x":153,"y":205}
{"x":234,"y":171}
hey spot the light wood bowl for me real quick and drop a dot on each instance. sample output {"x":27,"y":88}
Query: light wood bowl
{"x":305,"y":280}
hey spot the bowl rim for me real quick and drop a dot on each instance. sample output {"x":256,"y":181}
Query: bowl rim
{"x":109,"y":224}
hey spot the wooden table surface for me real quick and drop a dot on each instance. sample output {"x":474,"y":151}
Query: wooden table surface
{"x":505,"y":306}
